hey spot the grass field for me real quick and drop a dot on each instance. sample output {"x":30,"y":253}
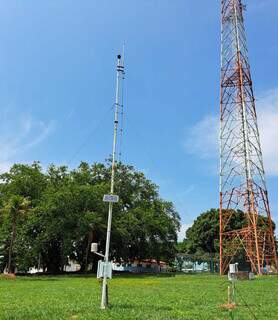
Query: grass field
{"x":137,"y":297}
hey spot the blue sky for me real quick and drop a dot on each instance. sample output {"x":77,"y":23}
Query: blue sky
{"x":57,"y":84}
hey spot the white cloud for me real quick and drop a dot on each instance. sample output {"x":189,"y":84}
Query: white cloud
{"x":18,"y":134}
{"x":43,"y":129}
{"x":202,"y":139}
{"x":186,"y":192}
{"x":267,"y":106}
{"x":5,"y":166}
{"x":181,"y":234}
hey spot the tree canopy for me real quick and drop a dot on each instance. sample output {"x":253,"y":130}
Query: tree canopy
{"x":202,"y":238}
{"x":65,"y":214}
{"x":203,"y":235}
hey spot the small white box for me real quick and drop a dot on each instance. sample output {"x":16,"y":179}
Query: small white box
{"x":94,"y":247}
{"x":104,"y":268}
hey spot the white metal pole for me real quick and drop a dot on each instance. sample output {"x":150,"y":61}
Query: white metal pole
{"x":104,"y":295}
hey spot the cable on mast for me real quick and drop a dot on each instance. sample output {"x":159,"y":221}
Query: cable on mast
{"x":121,"y":106}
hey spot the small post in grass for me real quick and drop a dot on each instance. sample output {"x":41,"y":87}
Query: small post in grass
{"x":231,"y":303}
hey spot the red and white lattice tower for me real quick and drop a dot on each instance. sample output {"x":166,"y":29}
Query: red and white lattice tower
{"x":242,"y":175}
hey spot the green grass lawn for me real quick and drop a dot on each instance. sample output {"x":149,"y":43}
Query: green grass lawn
{"x":137,"y":297}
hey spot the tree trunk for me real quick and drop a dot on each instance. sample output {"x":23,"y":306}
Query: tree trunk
{"x":11,"y":246}
{"x":53,"y":257}
{"x":90,"y":239}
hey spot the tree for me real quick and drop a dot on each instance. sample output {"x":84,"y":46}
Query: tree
{"x":203,"y":236}
{"x":202,"y":239}
{"x":24,"y":180}
{"x":68,"y":214}
{"x":145,"y":226}
{"x":15,"y":209}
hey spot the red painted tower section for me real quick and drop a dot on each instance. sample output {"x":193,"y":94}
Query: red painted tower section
{"x":242,"y":175}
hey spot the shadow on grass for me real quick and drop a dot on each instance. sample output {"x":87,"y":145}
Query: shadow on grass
{"x":44,"y":279}
{"x":116,"y":275}
{"x":94,"y":276}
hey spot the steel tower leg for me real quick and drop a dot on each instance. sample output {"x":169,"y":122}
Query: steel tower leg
{"x":242,"y":175}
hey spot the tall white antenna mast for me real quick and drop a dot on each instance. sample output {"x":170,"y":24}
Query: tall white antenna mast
{"x":111,"y":198}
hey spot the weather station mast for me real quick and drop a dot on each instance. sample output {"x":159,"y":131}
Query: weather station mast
{"x":111,"y":198}
{"x":242,"y":174}
{"x":105,"y":266}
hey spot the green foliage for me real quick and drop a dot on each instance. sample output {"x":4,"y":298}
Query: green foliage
{"x":66,"y":214}
{"x":23,"y":180}
{"x":13,"y":214}
{"x":202,"y":239}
